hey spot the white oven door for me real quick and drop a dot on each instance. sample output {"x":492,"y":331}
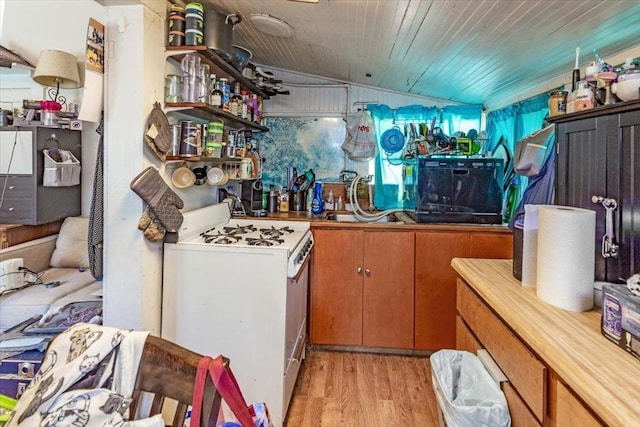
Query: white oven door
{"x":296,"y":325}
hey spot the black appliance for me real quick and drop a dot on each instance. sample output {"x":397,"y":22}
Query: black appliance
{"x":251,"y":197}
{"x":459,"y":190}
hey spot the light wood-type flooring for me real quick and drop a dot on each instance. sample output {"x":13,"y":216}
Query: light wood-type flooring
{"x":336,"y":389}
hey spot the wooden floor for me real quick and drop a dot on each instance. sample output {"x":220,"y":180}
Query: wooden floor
{"x":362,"y":389}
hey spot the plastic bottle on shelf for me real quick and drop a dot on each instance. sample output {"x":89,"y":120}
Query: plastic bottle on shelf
{"x":317,"y":206}
{"x":243,"y":109}
{"x":226,"y":95}
{"x":309,"y":201}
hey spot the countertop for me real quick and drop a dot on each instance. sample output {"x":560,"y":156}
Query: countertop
{"x":321,"y":221}
{"x":606,"y":377}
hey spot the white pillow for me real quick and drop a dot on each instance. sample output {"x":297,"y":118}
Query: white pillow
{"x":71,"y":245}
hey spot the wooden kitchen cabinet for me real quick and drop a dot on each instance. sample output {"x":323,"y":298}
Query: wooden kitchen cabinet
{"x":336,"y":287}
{"x":435,"y":283}
{"x":491,"y":245}
{"x":565,"y":409}
{"x":526,"y":373}
{"x":362,"y":288}
{"x":435,"y":279}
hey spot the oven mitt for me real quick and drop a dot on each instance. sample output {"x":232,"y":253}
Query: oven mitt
{"x":149,"y":224}
{"x":162,"y":201}
{"x":158,"y":135}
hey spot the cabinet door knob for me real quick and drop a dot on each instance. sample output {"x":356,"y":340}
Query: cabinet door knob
{"x":11,"y":187}
{"x":367,"y":272}
{"x":359,"y":270}
{"x":11,"y":209}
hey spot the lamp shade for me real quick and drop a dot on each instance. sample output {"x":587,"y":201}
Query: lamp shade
{"x":57,"y":67}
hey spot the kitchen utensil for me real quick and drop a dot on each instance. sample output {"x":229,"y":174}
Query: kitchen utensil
{"x":183,"y":177}
{"x":392,"y":140}
{"x":218,"y":32}
{"x":201,"y":175}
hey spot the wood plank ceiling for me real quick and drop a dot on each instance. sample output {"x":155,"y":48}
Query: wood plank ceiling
{"x":467,"y":51}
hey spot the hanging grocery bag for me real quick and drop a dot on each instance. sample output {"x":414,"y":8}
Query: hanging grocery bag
{"x":61,"y":167}
{"x":360,"y":143}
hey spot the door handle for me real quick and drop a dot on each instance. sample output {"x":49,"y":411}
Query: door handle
{"x":609,"y":246}
{"x":359,"y":270}
{"x":367,"y":272}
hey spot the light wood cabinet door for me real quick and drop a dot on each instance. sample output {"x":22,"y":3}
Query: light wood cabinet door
{"x":491,"y":245}
{"x":336,"y":287}
{"x":388,"y":290}
{"x":565,"y":409}
{"x":435,"y":294}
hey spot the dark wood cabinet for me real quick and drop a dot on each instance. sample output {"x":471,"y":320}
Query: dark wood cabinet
{"x":599,"y":154}
{"x":24,"y":198}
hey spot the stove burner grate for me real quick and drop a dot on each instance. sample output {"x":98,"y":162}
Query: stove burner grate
{"x":273,"y":231}
{"x":221,"y":238}
{"x":240,"y":229}
{"x":264,"y":241}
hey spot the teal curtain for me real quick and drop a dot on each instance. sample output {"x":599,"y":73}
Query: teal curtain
{"x":513,"y":123}
{"x":394,"y":178}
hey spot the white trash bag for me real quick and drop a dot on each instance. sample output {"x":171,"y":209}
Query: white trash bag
{"x":467,"y":395}
{"x":360,"y":143}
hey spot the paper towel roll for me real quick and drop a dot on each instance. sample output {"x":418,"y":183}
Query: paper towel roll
{"x":566,"y":257}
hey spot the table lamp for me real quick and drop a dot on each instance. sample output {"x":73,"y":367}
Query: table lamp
{"x":57,"y":69}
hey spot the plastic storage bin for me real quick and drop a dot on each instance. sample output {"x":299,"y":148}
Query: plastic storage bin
{"x":466,"y":393}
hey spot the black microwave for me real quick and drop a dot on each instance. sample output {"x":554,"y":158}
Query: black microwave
{"x":459,"y":190}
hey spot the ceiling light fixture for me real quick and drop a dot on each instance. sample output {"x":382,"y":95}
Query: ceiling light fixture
{"x":271,"y":25}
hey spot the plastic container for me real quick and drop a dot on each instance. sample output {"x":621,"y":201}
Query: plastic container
{"x":466,"y":393}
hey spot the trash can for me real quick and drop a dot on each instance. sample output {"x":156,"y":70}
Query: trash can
{"x":467,"y":395}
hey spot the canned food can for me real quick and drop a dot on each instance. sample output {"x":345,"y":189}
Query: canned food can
{"x":190,"y":138}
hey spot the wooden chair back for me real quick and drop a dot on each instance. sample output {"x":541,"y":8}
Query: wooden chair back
{"x":168,"y":371}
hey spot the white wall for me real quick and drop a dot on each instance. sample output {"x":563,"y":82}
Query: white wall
{"x":34,"y":25}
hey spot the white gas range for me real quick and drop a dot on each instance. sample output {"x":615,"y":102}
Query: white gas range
{"x":238,"y":287}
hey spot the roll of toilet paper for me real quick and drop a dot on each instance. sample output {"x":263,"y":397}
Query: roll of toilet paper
{"x":566,"y":256}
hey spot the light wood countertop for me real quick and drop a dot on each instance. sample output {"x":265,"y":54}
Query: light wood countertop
{"x":603,"y":375}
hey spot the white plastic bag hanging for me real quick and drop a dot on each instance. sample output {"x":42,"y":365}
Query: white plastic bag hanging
{"x":360,"y":143}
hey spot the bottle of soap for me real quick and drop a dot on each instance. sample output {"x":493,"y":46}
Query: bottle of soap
{"x":317,"y":207}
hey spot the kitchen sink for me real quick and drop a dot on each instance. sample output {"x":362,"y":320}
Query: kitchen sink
{"x":353,"y":218}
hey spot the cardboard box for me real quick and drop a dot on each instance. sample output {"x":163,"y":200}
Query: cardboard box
{"x":621,"y":317}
